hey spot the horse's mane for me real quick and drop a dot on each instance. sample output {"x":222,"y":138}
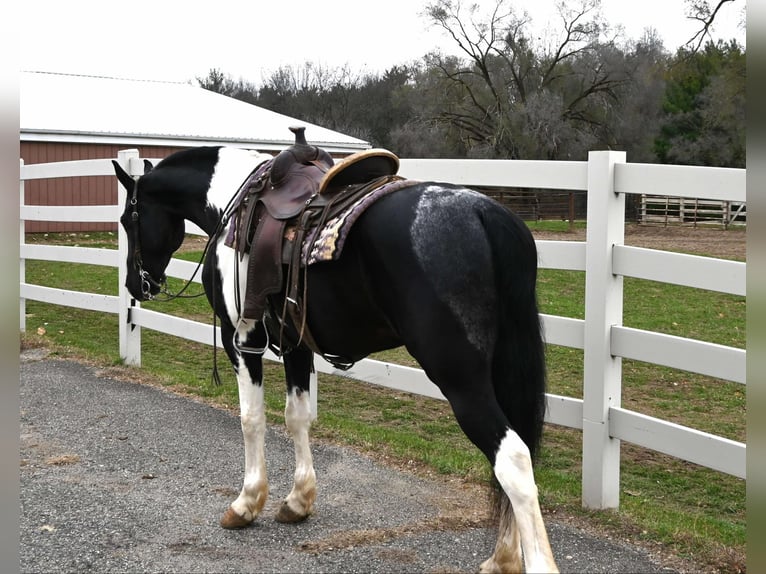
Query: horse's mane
{"x":196,"y":155}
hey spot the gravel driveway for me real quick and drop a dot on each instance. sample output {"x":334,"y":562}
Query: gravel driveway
{"x":123,"y":477}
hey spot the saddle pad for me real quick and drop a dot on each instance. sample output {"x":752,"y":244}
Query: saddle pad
{"x":326,"y":243}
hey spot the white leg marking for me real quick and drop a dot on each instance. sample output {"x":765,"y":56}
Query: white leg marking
{"x":513,"y":468}
{"x":299,"y":503}
{"x":253,"y":419}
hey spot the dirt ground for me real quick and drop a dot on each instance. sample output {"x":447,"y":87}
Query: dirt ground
{"x":709,"y":241}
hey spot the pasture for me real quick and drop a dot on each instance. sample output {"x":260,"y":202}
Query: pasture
{"x":666,"y":504}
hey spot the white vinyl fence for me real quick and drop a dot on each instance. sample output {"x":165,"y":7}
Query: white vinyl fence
{"x":603,"y":256}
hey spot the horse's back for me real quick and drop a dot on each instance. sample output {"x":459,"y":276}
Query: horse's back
{"x":448,"y":236}
{"x":419,"y":263}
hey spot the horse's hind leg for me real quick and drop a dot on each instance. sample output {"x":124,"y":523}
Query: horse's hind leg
{"x":513,"y":469}
{"x":486,"y":426}
{"x":299,"y":504}
{"x":255,"y":486}
{"x":465,"y":381}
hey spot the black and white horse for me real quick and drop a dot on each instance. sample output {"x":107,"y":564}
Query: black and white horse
{"x":441,"y":269}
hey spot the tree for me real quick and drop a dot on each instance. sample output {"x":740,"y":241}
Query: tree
{"x":516,"y":92}
{"x":516,"y":97}
{"x":705,"y":12}
{"x":420,"y":133}
{"x":704,"y":107}
{"x":639,"y":115}
{"x":365,"y":106}
{"x":217,"y":81}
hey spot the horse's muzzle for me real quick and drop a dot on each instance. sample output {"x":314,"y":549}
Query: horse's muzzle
{"x":150,"y":287}
{"x":143,"y":287}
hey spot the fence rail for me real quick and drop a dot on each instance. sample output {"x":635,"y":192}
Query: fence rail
{"x":606,"y":178}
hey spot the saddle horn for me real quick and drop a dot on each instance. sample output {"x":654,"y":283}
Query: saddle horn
{"x":301,"y":152}
{"x":300,"y":135}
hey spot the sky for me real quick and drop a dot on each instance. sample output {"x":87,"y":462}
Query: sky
{"x":180,"y":40}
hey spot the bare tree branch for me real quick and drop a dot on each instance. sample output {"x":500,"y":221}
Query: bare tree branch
{"x":575,"y":32}
{"x":513,"y":99}
{"x":701,"y":11}
{"x":457,"y":77}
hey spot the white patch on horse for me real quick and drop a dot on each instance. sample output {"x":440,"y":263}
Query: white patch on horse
{"x":513,"y":469}
{"x":467,"y":292}
{"x":253,"y":420}
{"x":227,"y":259}
{"x":231,"y":170}
{"x":298,"y":421}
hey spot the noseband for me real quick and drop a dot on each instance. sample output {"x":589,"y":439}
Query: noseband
{"x":147,"y":281}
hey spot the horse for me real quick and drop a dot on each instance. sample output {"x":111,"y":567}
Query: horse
{"x":438,"y":268}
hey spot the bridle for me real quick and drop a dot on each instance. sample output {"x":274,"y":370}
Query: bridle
{"x":147,"y":281}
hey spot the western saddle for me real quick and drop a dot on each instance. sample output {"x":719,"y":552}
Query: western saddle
{"x":274,"y":212}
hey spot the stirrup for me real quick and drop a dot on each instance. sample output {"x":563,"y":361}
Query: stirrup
{"x":249,"y":350}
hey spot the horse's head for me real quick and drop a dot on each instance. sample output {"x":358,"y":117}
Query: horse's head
{"x":153,"y":229}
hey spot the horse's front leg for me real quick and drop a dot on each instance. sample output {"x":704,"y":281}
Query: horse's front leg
{"x":299,"y":504}
{"x":255,"y":487}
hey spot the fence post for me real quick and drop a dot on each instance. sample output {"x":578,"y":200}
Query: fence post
{"x":130,"y":333}
{"x":22,"y":261}
{"x":602,"y":382}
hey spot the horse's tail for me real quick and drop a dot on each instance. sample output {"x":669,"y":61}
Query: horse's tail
{"x":518,"y":364}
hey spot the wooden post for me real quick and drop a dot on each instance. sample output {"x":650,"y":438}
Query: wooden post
{"x":571,"y":211}
{"x":602,"y":383}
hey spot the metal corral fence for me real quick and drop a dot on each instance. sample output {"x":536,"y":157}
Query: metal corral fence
{"x":666,"y":210}
{"x":604,"y":258}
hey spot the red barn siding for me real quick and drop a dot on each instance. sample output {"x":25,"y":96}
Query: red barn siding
{"x":97,"y":190}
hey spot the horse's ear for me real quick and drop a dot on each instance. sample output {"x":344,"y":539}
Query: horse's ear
{"x":123,"y":176}
{"x":147,"y":166}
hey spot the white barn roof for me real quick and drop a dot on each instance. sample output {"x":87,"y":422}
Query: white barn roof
{"x":89,"y":109}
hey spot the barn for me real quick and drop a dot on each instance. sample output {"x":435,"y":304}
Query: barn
{"x":67,"y":117}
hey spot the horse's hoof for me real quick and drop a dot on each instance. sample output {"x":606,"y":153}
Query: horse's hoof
{"x":490,"y":566}
{"x":231,"y":520}
{"x":286,"y":514}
